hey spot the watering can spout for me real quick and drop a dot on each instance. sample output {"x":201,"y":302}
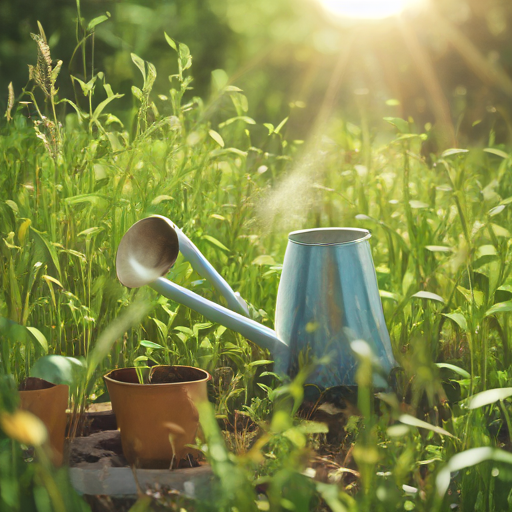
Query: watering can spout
{"x":258,"y":333}
{"x":147,"y":252}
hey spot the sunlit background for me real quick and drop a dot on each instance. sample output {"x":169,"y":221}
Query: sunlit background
{"x":367,"y":9}
{"x":446,"y":64}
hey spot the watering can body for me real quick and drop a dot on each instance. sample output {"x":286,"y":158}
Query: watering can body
{"x":327,"y":297}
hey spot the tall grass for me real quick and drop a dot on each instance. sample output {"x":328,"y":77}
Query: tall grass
{"x":75,"y":178}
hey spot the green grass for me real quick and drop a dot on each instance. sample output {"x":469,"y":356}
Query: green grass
{"x":440,"y":242}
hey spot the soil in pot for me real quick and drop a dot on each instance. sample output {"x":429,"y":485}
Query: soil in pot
{"x":157,"y":420}
{"x":48,"y":402}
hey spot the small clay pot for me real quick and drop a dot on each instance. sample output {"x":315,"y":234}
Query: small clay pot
{"x":48,"y":402}
{"x":157,"y":420}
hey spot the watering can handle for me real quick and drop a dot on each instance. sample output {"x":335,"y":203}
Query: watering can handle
{"x":205,"y":269}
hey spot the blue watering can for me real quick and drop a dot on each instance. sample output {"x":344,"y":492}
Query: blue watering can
{"x":328,"y":296}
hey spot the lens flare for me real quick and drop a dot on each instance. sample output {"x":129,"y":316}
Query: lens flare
{"x":368,"y":9}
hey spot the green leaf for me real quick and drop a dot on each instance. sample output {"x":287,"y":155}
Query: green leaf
{"x":428,"y":295}
{"x":501,"y":231}
{"x":264,"y":259}
{"x":225,"y":151}
{"x":99,"y":172}
{"x":438,"y":248}
{"x":170,"y":42}
{"x":140,"y":64}
{"x":417,"y":205}
{"x":406,"y":419}
{"x":463,"y":373}
{"x":214,"y":241}
{"x":200,"y":327}
{"x":110,"y":92}
{"x":90,"y":231}
{"x":280,"y":125}
{"x":102,"y":105}
{"x":151,"y":344}
{"x":93,"y":199}
{"x":56,"y":369}
{"x":240,"y":102}
{"x":50,"y":248}
{"x":269,"y":127}
{"x":500,"y":307}
{"x":143,"y":504}
{"x":161,"y":327}
{"x":331,"y":495}
{"x":39,"y":337}
{"x":261,"y":362}
{"x":497,"y":209}
{"x":185,"y":330}
{"x":12,"y":330}
{"x":459,"y":319}
{"x":79,"y":113}
{"x":185,"y":57}
{"x":86,"y":87}
{"x":313,"y":427}
{"x":467,"y":459}
{"x":488,"y":397}
{"x":137,"y":93}
{"x":12,"y":205}
{"x":496,"y":152}
{"x":96,"y":21}
{"x":477,"y":294}
{"x":389,"y":295}
{"x":161,"y":198}
{"x":405,"y":136}
{"x":206,"y":344}
{"x":486,"y":250}
{"x":41,"y":31}
{"x":216,"y":137}
{"x":454,"y":151}
{"x":245,"y":119}
{"x":400,"y":124}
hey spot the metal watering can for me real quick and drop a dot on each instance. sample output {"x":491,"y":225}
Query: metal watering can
{"x":327,"y":298}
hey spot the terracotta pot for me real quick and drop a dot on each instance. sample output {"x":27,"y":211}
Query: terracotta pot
{"x":157,"y":420}
{"x":48,"y":402}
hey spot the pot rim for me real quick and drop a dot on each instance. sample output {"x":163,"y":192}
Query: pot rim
{"x":208,"y":377}
{"x":297,"y":237}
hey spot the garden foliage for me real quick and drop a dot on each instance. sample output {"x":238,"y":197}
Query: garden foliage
{"x":74,"y":178}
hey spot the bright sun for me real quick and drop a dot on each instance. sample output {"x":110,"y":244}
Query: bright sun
{"x":369,"y":9}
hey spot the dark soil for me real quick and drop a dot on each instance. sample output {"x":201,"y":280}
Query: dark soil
{"x":34,"y":384}
{"x":171,"y":374}
{"x":161,"y":375}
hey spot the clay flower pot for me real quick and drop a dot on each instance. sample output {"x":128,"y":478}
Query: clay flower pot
{"x":158,"y":419}
{"x":48,"y":402}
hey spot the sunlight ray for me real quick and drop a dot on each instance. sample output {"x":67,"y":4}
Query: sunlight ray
{"x":367,"y":9}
